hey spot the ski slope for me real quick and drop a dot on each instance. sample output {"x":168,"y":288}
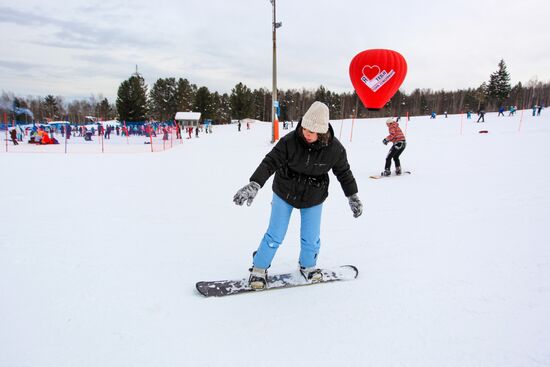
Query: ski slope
{"x":99,"y":254}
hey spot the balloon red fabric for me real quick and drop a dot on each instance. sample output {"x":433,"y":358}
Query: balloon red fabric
{"x":376,"y":75}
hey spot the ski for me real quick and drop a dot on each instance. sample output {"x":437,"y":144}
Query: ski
{"x":220,"y":288}
{"x":376,"y":177}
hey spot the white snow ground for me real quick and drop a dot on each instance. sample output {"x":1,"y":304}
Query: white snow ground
{"x":99,"y":254}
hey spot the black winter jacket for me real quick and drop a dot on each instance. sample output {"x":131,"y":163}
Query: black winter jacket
{"x":301,"y":169}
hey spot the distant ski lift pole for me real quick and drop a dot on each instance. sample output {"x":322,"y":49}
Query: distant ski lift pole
{"x":274,"y":117}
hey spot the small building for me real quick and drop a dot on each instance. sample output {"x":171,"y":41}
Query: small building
{"x":188,"y":118}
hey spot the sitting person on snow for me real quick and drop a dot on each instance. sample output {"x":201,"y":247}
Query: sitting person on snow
{"x":35,"y":138}
{"x":45,"y":138}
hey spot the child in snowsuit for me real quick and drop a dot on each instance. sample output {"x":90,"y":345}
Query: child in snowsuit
{"x":300,"y":161}
{"x":399,"y":143}
{"x":13,"y":135}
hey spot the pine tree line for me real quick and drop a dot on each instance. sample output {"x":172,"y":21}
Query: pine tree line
{"x":168,"y":96}
{"x":54,"y":108}
{"x":136,"y":103}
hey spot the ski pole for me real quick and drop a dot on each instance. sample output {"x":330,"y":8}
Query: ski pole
{"x":407,"y":124}
{"x":151,"y":138}
{"x":352,"y":125}
{"x":6,"y":123}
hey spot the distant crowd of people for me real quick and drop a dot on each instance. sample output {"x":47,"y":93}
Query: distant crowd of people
{"x":481,"y":112}
{"x":37,"y":135}
{"x":44,"y":134}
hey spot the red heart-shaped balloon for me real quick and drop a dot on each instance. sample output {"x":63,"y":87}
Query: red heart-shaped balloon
{"x":376,"y":75}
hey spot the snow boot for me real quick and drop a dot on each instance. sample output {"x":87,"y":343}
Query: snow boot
{"x":386,"y":172}
{"x":312,"y":274}
{"x":397,"y":171}
{"x":258,"y":278}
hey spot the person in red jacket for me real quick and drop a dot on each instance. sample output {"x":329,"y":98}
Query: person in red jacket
{"x":398,"y":139}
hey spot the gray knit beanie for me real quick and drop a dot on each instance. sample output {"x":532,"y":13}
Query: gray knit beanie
{"x":316,"y":118}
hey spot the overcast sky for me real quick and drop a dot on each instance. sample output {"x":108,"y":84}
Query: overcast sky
{"x":77,"y":48}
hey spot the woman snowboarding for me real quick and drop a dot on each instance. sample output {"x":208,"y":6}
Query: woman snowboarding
{"x":398,"y":139}
{"x":300,"y":161}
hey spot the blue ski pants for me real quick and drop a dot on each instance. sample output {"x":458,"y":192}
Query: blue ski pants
{"x":310,"y":231}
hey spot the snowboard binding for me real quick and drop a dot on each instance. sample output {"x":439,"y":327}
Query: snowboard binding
{"x":258,"y":278}
{"x":312,"y":274}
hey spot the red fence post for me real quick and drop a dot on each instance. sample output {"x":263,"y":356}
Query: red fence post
{"x":6,"y":122}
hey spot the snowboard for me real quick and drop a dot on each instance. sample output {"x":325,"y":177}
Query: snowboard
{"x":220,"y":288}
{"x":376,"y":177}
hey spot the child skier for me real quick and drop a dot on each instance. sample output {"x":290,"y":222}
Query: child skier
{"x":398,"y":139}
{"x":301,"y":161}
{"x":13,"y":135}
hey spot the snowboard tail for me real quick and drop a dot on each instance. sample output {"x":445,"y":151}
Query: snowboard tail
{"x":220,"y":288}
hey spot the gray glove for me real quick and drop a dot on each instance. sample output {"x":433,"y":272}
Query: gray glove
{"x":355,"y":205}
{"x":247,"y":193}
